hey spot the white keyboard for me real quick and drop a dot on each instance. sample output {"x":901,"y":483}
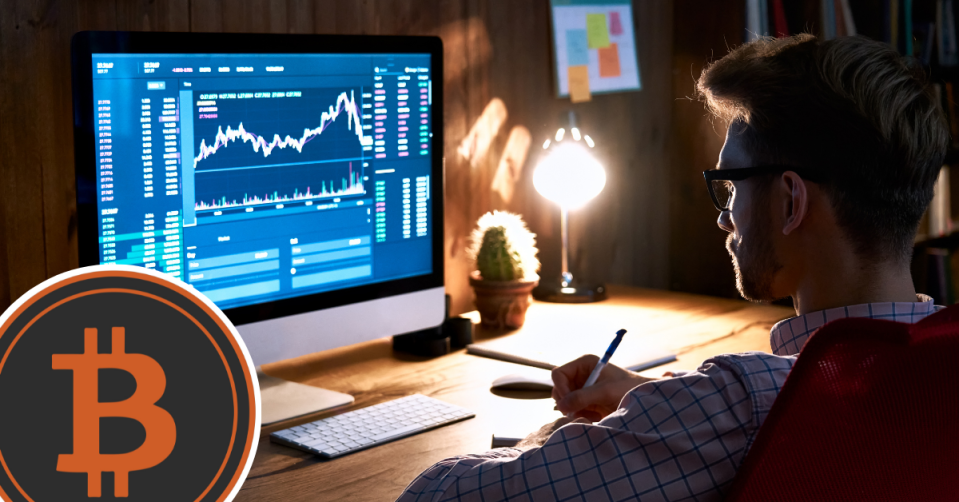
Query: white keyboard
{"x":366,"y":427}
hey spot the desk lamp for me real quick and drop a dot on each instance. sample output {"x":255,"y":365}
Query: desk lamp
{"x":570,"y":176}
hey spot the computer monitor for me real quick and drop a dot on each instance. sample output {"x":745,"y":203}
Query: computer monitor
{"x":296,"y":180}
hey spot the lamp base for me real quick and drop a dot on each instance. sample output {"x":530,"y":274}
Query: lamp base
{"x":555,"y":292}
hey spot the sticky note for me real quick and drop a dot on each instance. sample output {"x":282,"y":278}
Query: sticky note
{"x":597,"y":31}
{"x":578,"y":83}
{"x":615,"y":25}
{"x":577,"y":49}
{"x":609,"y":61}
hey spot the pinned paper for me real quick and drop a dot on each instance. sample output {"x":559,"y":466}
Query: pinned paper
{"x":578,"y":83}
{"x":609,"y":61}
{"x":597,"y":31}
{"x":577,"y":48}
{"x":475,"y":145}
{"x":511,"y":163}
{"x":615,"y":25}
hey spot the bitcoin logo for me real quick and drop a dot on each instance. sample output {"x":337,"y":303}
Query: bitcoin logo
{"x":121,"y":384}
{"x":87,"y":410}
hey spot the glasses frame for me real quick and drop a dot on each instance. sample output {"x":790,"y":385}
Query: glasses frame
{"x":749,"y":172}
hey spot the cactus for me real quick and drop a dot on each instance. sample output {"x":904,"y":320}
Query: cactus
{"x":504,"y":249}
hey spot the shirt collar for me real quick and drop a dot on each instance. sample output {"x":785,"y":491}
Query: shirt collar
{"x":788,"y":336}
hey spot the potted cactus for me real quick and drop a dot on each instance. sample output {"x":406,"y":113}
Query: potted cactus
{"x":506,"y":266}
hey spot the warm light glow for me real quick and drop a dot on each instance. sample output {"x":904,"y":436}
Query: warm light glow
{"x":589,"y":141}
{"x":560,"y":133}
{"x":546,"y":144}
{"x":575,"y":132}
{"x":569,"y":176}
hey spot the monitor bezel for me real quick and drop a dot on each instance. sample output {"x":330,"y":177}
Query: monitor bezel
{"x":85,"y":44}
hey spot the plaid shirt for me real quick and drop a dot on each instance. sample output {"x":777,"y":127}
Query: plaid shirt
{"x":680,"y":438}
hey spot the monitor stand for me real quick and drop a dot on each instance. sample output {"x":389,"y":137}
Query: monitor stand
{"x":282,"y":400}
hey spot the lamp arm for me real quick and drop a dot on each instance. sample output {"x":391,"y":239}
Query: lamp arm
{"x":564,"y":233}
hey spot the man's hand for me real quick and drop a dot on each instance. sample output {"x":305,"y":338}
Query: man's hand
{"x":536,"y":439}
{"x":597,"y":400}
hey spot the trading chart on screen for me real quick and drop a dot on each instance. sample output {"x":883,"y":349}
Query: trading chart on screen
{"x":255,"y":177}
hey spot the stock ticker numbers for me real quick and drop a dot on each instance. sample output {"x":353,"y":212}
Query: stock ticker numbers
{"x":206,"y":161}
{"x":120,"y":383}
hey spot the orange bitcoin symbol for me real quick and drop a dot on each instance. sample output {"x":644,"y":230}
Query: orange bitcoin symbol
{"x":87,"y":410}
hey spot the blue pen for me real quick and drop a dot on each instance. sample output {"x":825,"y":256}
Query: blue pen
{"x":602,"y":362}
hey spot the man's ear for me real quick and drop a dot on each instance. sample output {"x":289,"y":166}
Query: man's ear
{"x":795,"y":201}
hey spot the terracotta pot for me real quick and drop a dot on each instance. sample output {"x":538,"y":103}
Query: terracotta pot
{"x":502,"y":304}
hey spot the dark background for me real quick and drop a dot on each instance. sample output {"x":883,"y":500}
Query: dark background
{"x":653,"y":225}
{"x":197,"y":393}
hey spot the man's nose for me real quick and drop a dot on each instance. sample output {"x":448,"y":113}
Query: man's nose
{"x":725,"y":221}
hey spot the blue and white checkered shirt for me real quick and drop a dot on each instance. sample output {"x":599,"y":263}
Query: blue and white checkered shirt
{"x":673,"y":439}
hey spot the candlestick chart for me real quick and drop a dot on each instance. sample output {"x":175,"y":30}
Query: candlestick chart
{"x":275,"y":147}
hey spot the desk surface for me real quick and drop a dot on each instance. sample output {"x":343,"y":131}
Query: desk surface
{"x":696,"y":327}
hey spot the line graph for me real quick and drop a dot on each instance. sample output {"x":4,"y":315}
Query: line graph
{"x":307,"y":145}
{"x":345,"y":103}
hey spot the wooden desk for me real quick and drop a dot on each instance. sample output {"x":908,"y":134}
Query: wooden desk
{"x":697,"y":327}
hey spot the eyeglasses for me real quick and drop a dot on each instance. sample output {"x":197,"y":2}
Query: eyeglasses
{"x":720,"y":186}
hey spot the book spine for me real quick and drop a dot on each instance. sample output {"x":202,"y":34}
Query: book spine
{"x":940,"y":211}
{"x":951,"y":105}
{"x":928,"y":42}
{"x":764,"y":17}
{"x":894,"y":23}
{"x":887,"y":22}
{"x":828,"y":19}
{"x":949,"y":35}
{"x":753,"y":23}
{"x":839,"y":20}
{"x":779,"y":15}
{"x":847,"y":17}
{"x":907,"y":13}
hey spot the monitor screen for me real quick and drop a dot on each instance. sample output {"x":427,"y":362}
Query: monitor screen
{"x":258,"y":177}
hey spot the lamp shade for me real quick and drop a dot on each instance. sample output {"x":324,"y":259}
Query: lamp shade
{"x":569,"y":175}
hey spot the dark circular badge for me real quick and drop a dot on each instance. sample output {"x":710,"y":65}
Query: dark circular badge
{"x":118,"y":382}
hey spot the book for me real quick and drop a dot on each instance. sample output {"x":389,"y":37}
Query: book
{"x":850,"y":24}
{"x":907,"y":27}
{"x":779,"y":19}
{"x":755,"y":27}
{"x":633,"y":353}
{"x":951,"y":113}
{"x":838,"y":18}
{"x":924,"y":42}
{"x":828,"y":11}
{"x":946,"y":34}
{"x":940,"y":208}
{"x":894,"y":23}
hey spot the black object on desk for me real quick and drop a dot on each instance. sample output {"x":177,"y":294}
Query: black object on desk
{"x":454,"y":333}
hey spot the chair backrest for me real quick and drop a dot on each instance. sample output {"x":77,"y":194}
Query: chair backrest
{"x":870,"y":411}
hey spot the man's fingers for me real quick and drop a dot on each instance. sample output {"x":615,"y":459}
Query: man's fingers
{"x":577,"y":370}
{"x":579,"y":399}
{"x":560,"y":384}
{"x":572,"y":375}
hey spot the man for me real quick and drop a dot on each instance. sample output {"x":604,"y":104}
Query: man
{"x":831,"y":153}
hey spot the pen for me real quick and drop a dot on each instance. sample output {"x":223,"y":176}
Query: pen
{"x":602,"y":362}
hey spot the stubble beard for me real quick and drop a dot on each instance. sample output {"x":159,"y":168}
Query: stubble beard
{"x":755,"y":263}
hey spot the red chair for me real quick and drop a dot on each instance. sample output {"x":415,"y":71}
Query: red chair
{"x":869,"y":412}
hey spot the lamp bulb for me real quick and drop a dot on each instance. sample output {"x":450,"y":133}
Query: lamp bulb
{"x":569,"y":175}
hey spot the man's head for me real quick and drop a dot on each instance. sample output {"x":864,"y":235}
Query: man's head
{"x":850,"y":110}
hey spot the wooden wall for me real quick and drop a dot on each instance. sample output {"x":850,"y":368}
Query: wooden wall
{"x":494,"y":48}
{"x":698,"y":262}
